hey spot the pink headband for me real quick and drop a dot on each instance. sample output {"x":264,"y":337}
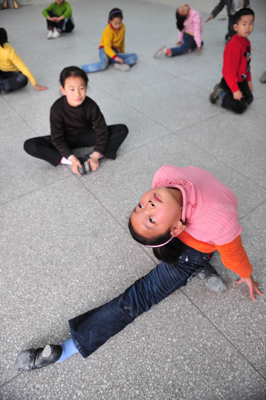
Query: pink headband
{"x":160,"y":245}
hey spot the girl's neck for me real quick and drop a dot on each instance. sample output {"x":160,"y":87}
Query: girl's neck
{"x":110,"y":23}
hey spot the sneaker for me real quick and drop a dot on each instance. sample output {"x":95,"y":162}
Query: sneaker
{"x":56,"y":34}
{"x":212,"y":280}
{"x":122,"y":67}
{"x":50,"y":34}
{"x":215,"y":94}
{"x":263,"y":77}
{"x":161,"y":52}
{"x":39,"y":358}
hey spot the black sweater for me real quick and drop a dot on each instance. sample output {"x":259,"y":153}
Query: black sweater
{"x":66,"y":120}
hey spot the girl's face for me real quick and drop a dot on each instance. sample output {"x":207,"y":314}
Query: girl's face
{"x":183,"y":10}
{"x":158,"y":212}
{"x":59,"y":1}
{"x":116,"y":23}
{"x":75,"y":90}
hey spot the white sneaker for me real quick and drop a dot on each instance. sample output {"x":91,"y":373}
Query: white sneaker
{"x":122,"y":67}
{"x":161,"y":52}
{"x":56,"y":34}
{"x":50,"y":34}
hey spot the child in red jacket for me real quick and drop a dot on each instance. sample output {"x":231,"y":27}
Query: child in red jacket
{"x":235,"y":88}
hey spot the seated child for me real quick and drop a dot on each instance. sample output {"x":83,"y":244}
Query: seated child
{"x":189,"y":22}
{"x":232,"y":7}
{"x":112,"y":46}
{"x":235,"y":88}
{"x":59,"y":18}
{"x":14,"y":74}
{"x":76,"y":121}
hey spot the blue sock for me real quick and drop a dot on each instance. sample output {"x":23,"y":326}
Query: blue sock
{"x":68,"y":350}
{"x":222,"y":93}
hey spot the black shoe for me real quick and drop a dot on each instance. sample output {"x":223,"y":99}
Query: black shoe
{"x":212,"y":280}
{"x":39,"y":358}
{"x":215,"y":94}
{"x":85,"y":168}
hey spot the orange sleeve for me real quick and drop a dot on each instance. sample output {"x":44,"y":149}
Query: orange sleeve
{"x":234,"y":257}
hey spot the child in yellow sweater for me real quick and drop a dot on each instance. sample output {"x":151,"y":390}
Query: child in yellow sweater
{"x":14,"y":74}
{"x":112,"y":46}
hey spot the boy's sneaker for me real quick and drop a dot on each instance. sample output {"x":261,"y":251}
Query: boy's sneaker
{"x":161,"y":52}
{"x":56,"y":34}
{"x":122,"y":67}
{"x":50,"y":34}
{"x":215,"y":94}
{"x":212,"y":280}
{"x":39,"y":358}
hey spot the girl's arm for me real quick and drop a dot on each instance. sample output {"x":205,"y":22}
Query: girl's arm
{"x":234,"y":257}
{"x":22,"y":67}
{"x":102,"y":135}
{"x":58,"y":134}
{"x":197,"y":22}
{"x":49,"y":8}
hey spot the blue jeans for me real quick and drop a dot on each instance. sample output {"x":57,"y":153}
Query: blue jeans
{"x":129,"y":59}
{"x":10,"y":80}
{"x":91,"y":330}
{"x":188,"y":43}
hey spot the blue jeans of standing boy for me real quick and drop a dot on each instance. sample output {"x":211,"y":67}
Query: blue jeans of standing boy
{"x":91,"y":330}
{"x":129,"y":59}
{"x":188,"y":43}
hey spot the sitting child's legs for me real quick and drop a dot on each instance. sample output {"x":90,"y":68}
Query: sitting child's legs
{"x":10,"y":81}
{"x":228,"y":101}
{"x":117,"y":134}
{"x":129,"y":59}
{"x":68,"y":25}
{"x":42,"y":148}
{"x":188,"y":43}
{"x":100,"y":66}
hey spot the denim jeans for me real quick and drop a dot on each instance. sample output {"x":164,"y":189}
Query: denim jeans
{"x":129,"y":59}
{"x":188,"y":43}
{"x":10,"y":80}
{"x":91,"y":330}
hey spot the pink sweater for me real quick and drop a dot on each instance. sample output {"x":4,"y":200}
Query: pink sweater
{"x":193,"y":24}
{"x":210,"y":212}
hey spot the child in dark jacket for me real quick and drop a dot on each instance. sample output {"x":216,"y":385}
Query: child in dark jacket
{"x":235,"y":88}
{"x":232,"y":6}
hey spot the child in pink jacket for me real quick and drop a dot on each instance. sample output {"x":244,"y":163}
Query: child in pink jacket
{"x":189,"y":22}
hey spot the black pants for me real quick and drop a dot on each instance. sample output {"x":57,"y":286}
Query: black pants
{"x":65,"y":25}
{"x":42,"y":147}
{"x":238,"y":106}
{"x":10,"y":81}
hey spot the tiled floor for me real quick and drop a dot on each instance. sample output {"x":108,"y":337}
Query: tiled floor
{"x":65,"y":246}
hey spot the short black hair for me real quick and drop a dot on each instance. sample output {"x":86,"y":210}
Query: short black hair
{"x":3,"y":37}
{"x":72,"y":71}
{"x":244,"y":11}
{"x":115,"y":13}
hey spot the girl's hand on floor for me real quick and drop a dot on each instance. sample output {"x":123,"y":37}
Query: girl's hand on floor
{"x":238,"y":95}
{"x":39,"y":88}
{"x":75,"y":163}
{"x":120,"y":60}
{"x":250,"y":86}
{"x":198,"y":50}
{"x":94,"y":163}
{"x":252,"y":285}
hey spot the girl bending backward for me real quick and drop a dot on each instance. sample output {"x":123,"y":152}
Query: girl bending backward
{"x":187,"y":216}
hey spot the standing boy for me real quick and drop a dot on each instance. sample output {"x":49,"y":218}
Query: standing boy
{"x":235,"y":88}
